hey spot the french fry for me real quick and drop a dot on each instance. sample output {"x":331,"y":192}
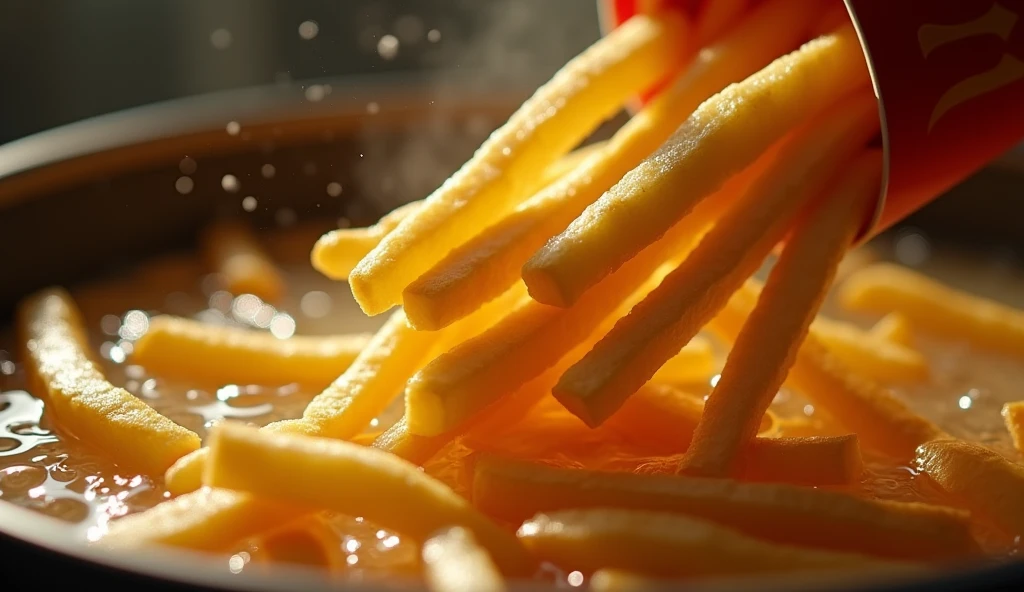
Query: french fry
{"x":809,"y":460}
{"x":694,"y":363}
{"x":984,"y":481}
{"x":810,"y":580}
{"x":206,"y":520}
{"x":455,"y":563}
{"x":309,"y":542}
{"x":717,"y":17}
{"x":883,"y":423}
{"x":833,"y":18}
{"x":1013,"y":416}
{"x":879,"y":358}
{"x":223,"y":354}
{"x":894,"y":328}
{"x":663,"y":544}
{"x":337,"y":253}
{"x":117,"y":423}
{"x":231,"y":249}
{"x":487,"y":264}
{"x":532,"y":338}
{"x":668,"y":317}
{"x":766,"y":347}
{"x":319,"y":473}
{"x":782,"y":513}
{"x":723,"y":136}
{"x":659,"y":416}
{"x":502,"y":173}
{"x":951,"y":313}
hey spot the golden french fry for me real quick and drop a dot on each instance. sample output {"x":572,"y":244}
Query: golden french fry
{"x":789,"y":514}
{"x":724,"y":135}
{"x":308,"y":542}
{"x":930,"y":305}
{"x":337,"y":253}
{"x":533,"y":337}
{"x":894,"y":328}
{"x":984,"y":481}
{"x":320,"y":473}
{"x":667,"y":318}
{"x":223,"y":354}
{"x":116,"y":422}
{"x":664,"y":544}
{"x":881,"y":421}
{"x":877,"y":357}
{"x":502,"y":173}
{"x":455,"y":563}
{"x":488,"y":263}
{"x":205,"y":519}
{"x":766,"y":347}
{"x":1013,"y":416}
{"x":231,"y":249}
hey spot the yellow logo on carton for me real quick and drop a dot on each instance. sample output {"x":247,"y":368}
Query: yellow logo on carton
{"x":998,"y":21}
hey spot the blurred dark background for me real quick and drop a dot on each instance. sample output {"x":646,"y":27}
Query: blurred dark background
{"x":65,"y":60}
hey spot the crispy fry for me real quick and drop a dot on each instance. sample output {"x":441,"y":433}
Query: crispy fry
{"x":881,"y":421}
{"x":694,"y":363}
{"x":491,"y":261}
{"x":337,"y":253}
{"x":1013,"y":416}
{"x":659,"y":416}
{"x":502,"y":173}
{"x":895,"y":328}
{"x":455,"y":563}
{"x":130,"y":432}
{"x":810,"y":460}
{"x":951,"y":313}
{"x":877,"y":357}
{"x":723,"y":136}
{"x":222,"y":354}
{"x":987,"y":483}
{"x":533,"y":337}
{"x":309,"y":542}
{"x":668,"y":317}
{"x":232,"y":250}
{"x":782,"y":513}
{"x":205,"y":519}
{"x":663,"y":544}
{"x":766,"y":347}
{"x":319,"y":473}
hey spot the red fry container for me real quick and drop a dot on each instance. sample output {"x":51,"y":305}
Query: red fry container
{"x":949,"y":77}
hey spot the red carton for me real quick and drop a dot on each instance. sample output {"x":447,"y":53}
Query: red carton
{"x":949,"y":77}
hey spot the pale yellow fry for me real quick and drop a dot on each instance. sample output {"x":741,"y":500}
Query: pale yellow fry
{"x":876,"y":357}
{"x":894,"y":328}
{"x":935,"y":307}
{"x":882,"y":421}
{"x":724,"y":135}
{"x":487,"y":264}
{"x":767,"y":345}
{"x":1013,"y":416}
{"x":354,"y":480}
{"x":206,"y":520}
{"x":223,"y":354}
{"x":117,"y":423}
{"x":668,"y":317}
{"x":503,"y":172}
{"x":665,"y":544}
{"x":233,"y":251}
{"x":336,"y":253}
{"x":454,"y":562}
{"x":694,"y":363}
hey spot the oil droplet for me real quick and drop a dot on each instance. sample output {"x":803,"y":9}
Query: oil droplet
{"x":372,"y":108}
{"x":315,"y":304}
{"x":387,"y":47}
{"x":315,"y":93}
{"x":308,"y":29}
{"x":236,"y":563}
{"x":283,"y":326}
{"x":229,"y":183}
{"x":965,"y":402}
{"x":20,"y":479}
{"x":285,"y":217}
{"x":249,"y":203}
{"x":7,"y":444}
{"x":575,"y":579}
{"x":433,"y":35}
{"x":187,"y":166}
{"x":268,"y":171}
{"x":184,"y":185}
{"x":334,"y":189}
{"x":233,"y":128}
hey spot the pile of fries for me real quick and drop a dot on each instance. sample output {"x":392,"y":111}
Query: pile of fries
{"x":551,"y":301}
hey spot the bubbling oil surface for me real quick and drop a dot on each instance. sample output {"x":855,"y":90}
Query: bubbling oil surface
{"x":48,"y":471}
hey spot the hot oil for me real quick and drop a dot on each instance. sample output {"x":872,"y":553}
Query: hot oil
{"x":51,"y":472}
